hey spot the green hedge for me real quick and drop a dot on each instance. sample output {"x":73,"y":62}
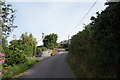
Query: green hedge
{"x":96,"y":48}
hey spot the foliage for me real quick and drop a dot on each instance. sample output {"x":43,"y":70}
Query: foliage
{"x":97,"y":46}
{"x":4,"y":42}
{"x":13,"y":71}
{"x":39,"y":49}
{"x":29,"y":43}
{"x":66,"y":49}
{"x":107,"y":34}
{"x":8,"y":16}
{"x":64,"y":45}
{"x":50,"y":41}
{"x":28,"y":39}
{"x":54,"y":51}
{"x":78,"y":72}
{"x":19,"y":51}
{"x":44,"y":49}
{"x":14,"y":57}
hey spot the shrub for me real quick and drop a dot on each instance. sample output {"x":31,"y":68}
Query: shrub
{"x":14,"y":59}
{"x":44,"y":48}
{"x":50,"y":41}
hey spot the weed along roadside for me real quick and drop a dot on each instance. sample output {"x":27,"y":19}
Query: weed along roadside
{"x":77,"y":71}
{"x":18,"y":70}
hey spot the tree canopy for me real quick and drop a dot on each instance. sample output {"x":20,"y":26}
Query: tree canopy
{"x":7,"y":15}
{"x":50,"y":41}
{"x":28,"y":39}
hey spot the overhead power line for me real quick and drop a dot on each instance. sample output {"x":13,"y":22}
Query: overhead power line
{"x":83,"y":18}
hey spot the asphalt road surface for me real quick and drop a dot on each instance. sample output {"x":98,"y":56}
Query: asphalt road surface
{"x":51,"y":67}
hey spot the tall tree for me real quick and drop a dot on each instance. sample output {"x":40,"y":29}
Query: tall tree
{"x":50,"y":41}
{"x":7,"y":16}
{"x":30,"y":42}
{"x":28,"y":39}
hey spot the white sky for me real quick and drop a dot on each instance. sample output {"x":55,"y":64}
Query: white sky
{"x":52,"y":17}
{"x":54,"y":0}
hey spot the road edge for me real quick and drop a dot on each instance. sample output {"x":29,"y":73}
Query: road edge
{"x":69,"y":66}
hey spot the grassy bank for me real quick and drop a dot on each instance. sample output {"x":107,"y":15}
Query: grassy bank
{"x":75,"y":68}
{"x":14,"y":72}
{"x":80,"y":70}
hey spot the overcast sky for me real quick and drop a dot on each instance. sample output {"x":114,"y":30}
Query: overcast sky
{"x":52,"y":17}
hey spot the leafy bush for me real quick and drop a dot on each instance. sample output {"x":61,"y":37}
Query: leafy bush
{"x":64,"y":45}
{"x":67,"y":49}
{"x":54,"y":51}
{"x":19,"y":51}
{"x":28,"y":50}
{"x":14,"y":59}
{"x":44,"y":49}
{"x":41,"y":48}
{"x":50,"y":41}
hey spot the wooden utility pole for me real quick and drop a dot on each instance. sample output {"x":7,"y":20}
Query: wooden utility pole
{"x":68,"y":39}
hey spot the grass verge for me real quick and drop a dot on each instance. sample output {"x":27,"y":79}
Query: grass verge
{"x":80,"y":73}
{"x":13,"y":72}
{"x":75,"y":68}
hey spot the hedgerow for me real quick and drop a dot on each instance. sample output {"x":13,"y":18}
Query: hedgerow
{"x":96,"y":48}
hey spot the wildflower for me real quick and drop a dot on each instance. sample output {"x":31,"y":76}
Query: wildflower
{"x":2,"y":54}
{"x":3,"y":58}
{"x":0,"y":62}
{"x":0,"y":73}
{"x":3,"y":61}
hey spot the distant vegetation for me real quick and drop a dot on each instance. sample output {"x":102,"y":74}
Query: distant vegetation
{"x":50,"y":41}
{"x":96,"y":49}
{"x":64,"y":46}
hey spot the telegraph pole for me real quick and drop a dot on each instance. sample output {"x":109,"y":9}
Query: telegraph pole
{"x":68,"y":39}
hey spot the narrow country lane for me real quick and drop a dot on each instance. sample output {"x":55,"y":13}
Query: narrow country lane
{"x":51,"y":67}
